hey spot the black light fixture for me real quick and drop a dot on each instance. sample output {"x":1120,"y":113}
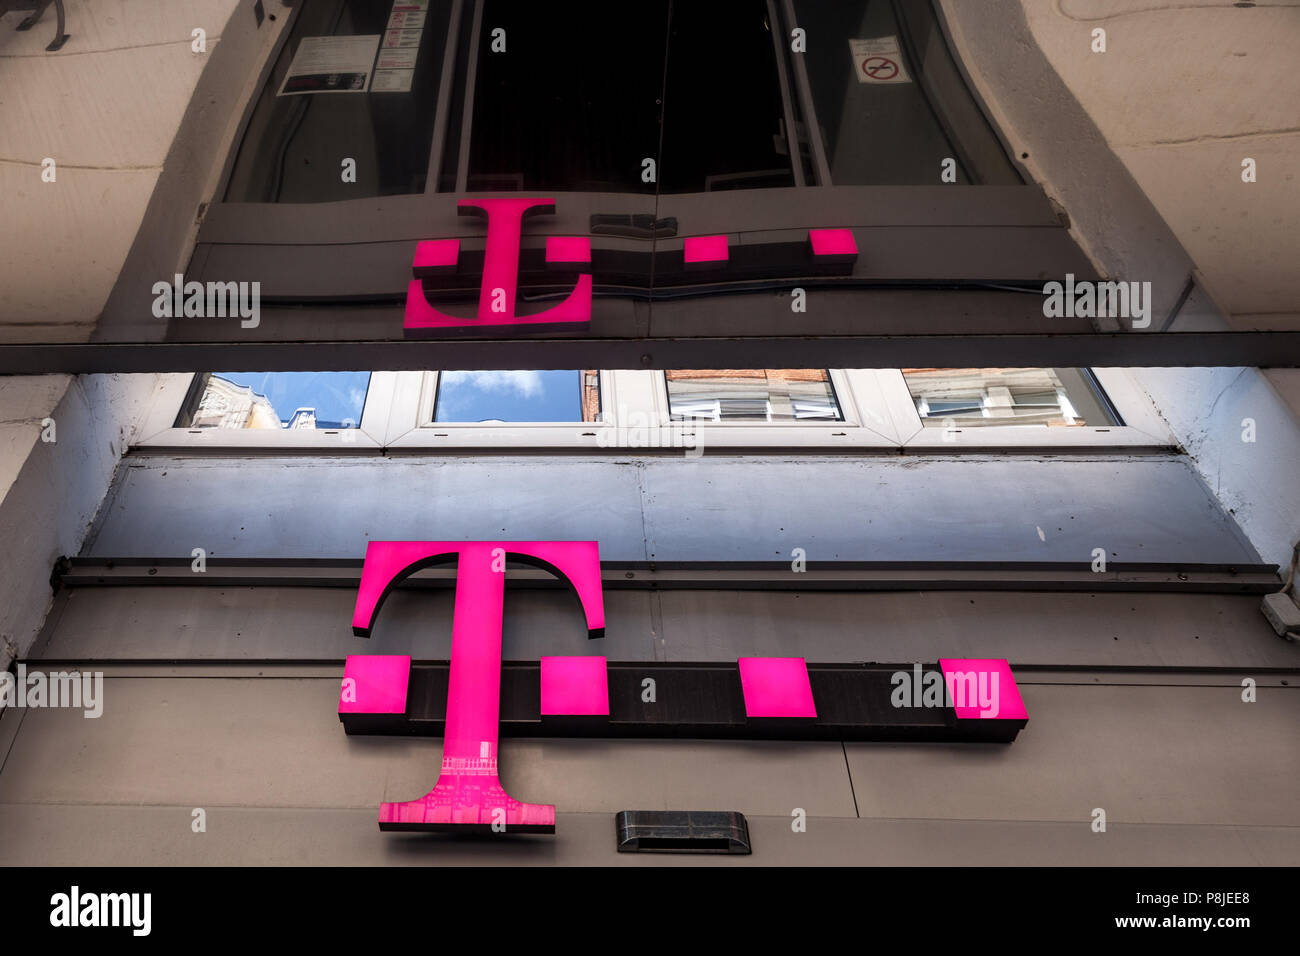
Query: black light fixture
{"x":38,"y":8}
{"x":682,"y":831}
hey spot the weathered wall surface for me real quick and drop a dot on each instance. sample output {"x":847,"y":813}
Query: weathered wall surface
{"x":51,"y":489}
{"x":1186,"y":771}
{"x":105,"y":108}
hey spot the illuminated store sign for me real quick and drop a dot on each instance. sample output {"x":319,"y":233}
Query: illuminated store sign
{"x":496,"y":304}
{"x":472,"y":699}
{"x":468,"y":792}
{"x":831,"y":250}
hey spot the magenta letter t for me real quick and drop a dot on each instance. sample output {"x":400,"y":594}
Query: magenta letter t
{"x":468,"y":794}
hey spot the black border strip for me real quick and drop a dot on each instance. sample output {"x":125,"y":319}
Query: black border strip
{"x":1127,"y":349}
{"x":694,"y":700}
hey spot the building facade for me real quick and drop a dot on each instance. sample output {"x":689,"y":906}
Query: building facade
{"x":880,"y":192}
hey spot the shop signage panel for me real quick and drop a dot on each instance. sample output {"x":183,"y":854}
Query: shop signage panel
{"x":475,"y":697}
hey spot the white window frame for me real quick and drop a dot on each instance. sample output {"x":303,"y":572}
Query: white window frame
{"x":1142,"y":428}
{"x":158,"y":429}
{"x":878,"y":410}
{"x":857,"y":392}
{"x":413,"y":425}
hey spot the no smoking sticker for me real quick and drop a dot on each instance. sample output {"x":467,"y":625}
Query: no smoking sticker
{"x":878,"y":60}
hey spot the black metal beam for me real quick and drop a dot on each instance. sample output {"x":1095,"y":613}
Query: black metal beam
{"x":738,"y":576}
{"x":1122,"y":349}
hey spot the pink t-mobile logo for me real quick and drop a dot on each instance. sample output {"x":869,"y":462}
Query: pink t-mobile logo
{"x":468,"y":793}
{"x":496,"y":303}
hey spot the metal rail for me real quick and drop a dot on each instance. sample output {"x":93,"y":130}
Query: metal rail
{"x":764,"y":576}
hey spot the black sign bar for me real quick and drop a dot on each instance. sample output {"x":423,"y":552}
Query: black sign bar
{"x":1119,"y":349}
{"x":696,"y":700}
{"x":1188,"y":577}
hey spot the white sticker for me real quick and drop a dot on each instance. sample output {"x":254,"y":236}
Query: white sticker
{"x":397,"y":59}
{"x":392,"y":81}
{"x":331,"y":65}
{"x":402,"y":38}
{"x":878,"y":60}
{"x":410,"y":6}
{"x":398,"y":20}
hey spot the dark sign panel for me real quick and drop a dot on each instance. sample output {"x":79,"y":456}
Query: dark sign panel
{"x":870,"y":702}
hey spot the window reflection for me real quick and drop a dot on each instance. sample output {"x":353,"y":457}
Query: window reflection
{"x":1060,"y":397}
{"x":295,"y":143}
{"x":276,"y":400}
{"x":762,"y":395}
{"x":584,"y":92}
{"x":518,"y":396}
{"x":890,"y":104}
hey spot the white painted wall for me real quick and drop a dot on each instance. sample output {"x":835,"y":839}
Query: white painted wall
{"x":50,"y":491}
{"x":1183,"y":93}
{"x":1258,"y":482}
{"x":105,"y":108}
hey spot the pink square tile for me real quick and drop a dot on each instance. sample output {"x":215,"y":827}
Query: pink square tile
{"x":776,"y":687}
{"x":833,"y":242}
{"x":706,"y":249}
{"x":568,"y":249}
{"x":378,"y":684}
{"x":983,"y":687}
{"x":573,"y":686}
{"x":436,"y":253}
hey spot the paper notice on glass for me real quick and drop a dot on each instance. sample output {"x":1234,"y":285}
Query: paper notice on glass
{"x":397,"y":59}
{"x":406,"y":20}
{"x":402,"y":38}
{"x":392,"y":81}
{"x":410,"y":6}
{"x":878,"y":60}
{"x":331,"y":65}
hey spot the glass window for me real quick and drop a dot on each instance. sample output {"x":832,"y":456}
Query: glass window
{"x":1008,"y":396}
{"x":580,"y":96}
{"x":275,"y":400}
{"x":890,"y":104}
{"x":572,"y":104}
{"x":724,"y":125}
{"x":307,"y":124}
{"x":757,"y":395}
{"x":518,"y":396}
{"x":576,"y":101}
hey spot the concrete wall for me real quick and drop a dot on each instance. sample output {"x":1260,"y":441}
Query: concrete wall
{"x":711,"y":509}
{"x":1134,"y":707}
{"x":1212,"y":411}
{"x":105,"y":108}
{"x":1141,"y":146}
{"x":50,"y":490}
{"x":1182,"y":94}
{"x":224,"y":697}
